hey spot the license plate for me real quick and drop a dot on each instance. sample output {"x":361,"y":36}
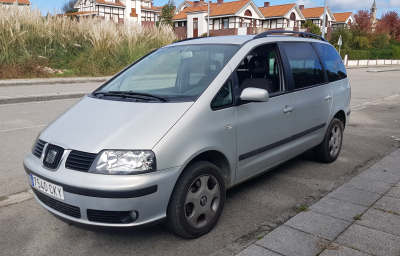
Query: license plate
{"x":47,"y":187}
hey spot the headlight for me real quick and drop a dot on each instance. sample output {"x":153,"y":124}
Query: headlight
{"x":124,"y":162}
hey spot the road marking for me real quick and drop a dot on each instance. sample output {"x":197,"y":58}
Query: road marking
{"x":374,"y":102}
{"x":16,"y":198}
{"x":22,"y":128}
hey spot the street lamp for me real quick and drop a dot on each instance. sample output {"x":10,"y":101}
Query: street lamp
{"x":324,"y":20}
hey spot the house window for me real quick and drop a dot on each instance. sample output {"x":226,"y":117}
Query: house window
{"x":195,"y":24}
{"x":226,"y":23}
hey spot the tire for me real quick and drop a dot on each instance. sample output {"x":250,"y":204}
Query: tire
{"x":329,"y":149}
{"x":197,"y":200}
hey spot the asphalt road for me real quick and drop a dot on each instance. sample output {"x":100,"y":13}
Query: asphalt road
{"x":28,"y":229}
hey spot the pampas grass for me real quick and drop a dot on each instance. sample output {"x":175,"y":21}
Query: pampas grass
{"x":89,"y":47}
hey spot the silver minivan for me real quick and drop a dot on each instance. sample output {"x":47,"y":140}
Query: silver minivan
{"x":167,"y":136}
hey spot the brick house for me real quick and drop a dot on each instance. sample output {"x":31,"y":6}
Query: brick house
{"x":344,"y":19}
{"x":230,"y":18}
{"x":283,"y":17}
{"x":141,"y":11}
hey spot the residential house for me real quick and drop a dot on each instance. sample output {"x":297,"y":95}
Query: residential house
{"x":344,"y":19}
{"x":230,"y":18}
{"x":283,"y":17}
{"x":317,"y":15}
{"x":20,"y":3}
{"x":141,"y":11}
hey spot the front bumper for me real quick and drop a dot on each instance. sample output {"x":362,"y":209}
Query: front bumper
{"x":148,"y":194}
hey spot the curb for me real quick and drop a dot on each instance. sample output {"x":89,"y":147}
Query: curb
{"x":25,"y":82}
{"x":49,"y":97}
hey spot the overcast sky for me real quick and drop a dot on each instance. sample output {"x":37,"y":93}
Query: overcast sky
{"x":335,"y":5}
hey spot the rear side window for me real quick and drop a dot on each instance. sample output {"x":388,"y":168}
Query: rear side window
{"x":305,"y":65}
{"x":334,"y":65}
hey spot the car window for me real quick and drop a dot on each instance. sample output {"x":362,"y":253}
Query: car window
{"x":305,"y":65}
{"x":177,"y":73}
{"x":224,"y":97}
{"x":261,"y":69}
{"x":334,"y":65}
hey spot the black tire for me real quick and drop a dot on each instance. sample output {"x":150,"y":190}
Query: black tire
{"x":326,"y":152}
{"x":178,"y":209}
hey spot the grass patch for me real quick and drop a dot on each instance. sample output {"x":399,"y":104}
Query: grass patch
{"x":357,"y":217}
{"x":90,"y":47}
{"x":302,"y":208}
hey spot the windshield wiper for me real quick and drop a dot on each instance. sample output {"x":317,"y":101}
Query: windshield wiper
{"x":123,"y":95}
{"x":164,"y":99}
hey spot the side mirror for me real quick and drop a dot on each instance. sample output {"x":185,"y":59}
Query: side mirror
{"x":254,"y":95}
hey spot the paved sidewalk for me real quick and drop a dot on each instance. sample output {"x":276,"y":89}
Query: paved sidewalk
{"x":56,"y":80}
{"x":30,"y":93}
{"x":359,"y":218}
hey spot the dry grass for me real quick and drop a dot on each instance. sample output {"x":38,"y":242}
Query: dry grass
{"x":89,"y":47}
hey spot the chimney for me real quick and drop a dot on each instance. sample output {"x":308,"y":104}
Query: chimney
{"x":301,"y":7}
{"x":219,"y":2}
{"x":266,"y":4}
{"x":174,"y":8}
{"x":196,"y":3}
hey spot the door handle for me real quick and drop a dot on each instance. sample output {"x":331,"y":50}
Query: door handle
{"x":288,"y":110}
{"x":328,"y":97}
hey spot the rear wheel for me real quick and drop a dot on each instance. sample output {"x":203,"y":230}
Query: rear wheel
{"x":329,"y":149}
{"x":197,"y":200}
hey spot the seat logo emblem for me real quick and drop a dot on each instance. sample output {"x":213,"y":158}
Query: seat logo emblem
{"x":51,"y":156}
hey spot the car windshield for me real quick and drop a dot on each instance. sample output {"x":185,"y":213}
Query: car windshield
{"x":179,"y":73}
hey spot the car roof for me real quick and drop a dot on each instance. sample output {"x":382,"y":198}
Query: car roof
{"x":240,"y":40}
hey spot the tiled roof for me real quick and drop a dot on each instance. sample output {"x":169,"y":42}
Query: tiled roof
{"x":276,"y":10}
{"x":342,"y":17}
{"x":215,"y":9}
{"x":153,"y":8}
{"x":117,"y":2}
{"x":13,"y":1}
{"x":190,"y":2}
{"x":313,"y":12}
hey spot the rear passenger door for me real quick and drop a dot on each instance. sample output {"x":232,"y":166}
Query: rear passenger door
{"x":311,"y":95}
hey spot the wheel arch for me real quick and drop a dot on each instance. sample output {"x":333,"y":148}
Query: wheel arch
{"x":341,"y":116}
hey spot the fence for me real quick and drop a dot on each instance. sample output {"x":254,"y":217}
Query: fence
{"x":352,"y":63}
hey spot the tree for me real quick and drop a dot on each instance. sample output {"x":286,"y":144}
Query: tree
{"x":314,"y":29}
{"x":167,"y":13}
{"x":389,"y":24}
{"x":381,"y":40}
{"x":361,"y":43}
{"x":362,"y":27}
{"x":68,"y":6}
{"x":346,"y":37}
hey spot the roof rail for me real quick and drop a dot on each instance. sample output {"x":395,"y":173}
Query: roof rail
{"x":187,"y":39}
{"x":303,"y":34}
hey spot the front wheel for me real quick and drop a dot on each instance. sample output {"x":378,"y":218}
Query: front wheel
{"x":329,"y":149}
{"x":197,"y":200}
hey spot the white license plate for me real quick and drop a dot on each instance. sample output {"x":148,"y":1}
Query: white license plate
{"x":47,"y":187}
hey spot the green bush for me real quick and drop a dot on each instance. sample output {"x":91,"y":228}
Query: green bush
{"x":356,"y":54}
{"x":361,"y":43}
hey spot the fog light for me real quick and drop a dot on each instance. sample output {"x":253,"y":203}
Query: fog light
{"x":134,"y":215}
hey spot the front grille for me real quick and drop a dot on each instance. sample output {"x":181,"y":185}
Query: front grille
{"x":109,"y":216}
{"x":80,"y":161}
{"x":67,"y":209}
{"x":38,"y":149}
{"x":52,"y":156}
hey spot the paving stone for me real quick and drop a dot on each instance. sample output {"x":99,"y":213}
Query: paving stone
{"x":355,"y":196}
{"x":340,"y":250}
{"x":256,"y":250}
{"x":394,"y":191}
{"x":318,"y":224}
{"x":390,"y":164}
{"x":395,"y":153}
{"x":370,"y":241}
{"x":381,"y":175}
{"x":338,"y":208}
{"x":289,"y":241}
{"x":380,"y":220}
{"x":368,"y":185}
{"x":389,"y":204}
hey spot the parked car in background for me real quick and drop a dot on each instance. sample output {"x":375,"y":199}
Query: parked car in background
{"x":167,"y":136}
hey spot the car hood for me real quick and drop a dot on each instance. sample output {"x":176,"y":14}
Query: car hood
{"x":92,"y":125}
